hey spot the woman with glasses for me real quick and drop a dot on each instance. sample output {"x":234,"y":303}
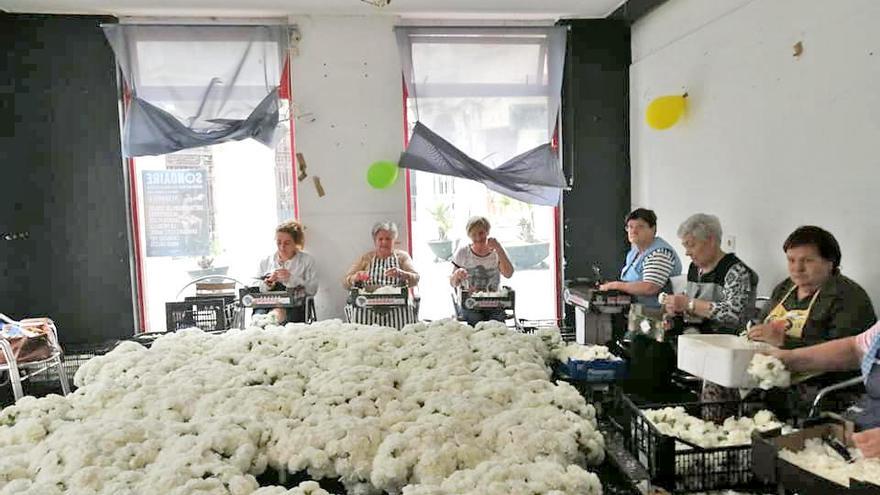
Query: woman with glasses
{"x":650,"y":263}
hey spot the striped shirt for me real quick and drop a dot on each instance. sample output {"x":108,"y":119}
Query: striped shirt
{"x":866,"y":338}
{"x":658,"y":266}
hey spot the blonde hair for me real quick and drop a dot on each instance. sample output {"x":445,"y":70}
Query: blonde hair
{"x":295,"y":230}
{"x":477,"y":221}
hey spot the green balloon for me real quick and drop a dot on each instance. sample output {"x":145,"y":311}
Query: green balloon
{"x":382,"y":174}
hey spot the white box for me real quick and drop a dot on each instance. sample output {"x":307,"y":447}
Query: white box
{"x":720,"y":359}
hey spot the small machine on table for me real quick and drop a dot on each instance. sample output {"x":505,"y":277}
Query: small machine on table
{"x":381,"y":299}
{"x":503,"y":299}
{"x":594,"y":311}
{"x":293,"y":297}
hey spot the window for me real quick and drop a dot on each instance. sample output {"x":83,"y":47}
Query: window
{"x":242,"y":207}
{"x":484,"y":92}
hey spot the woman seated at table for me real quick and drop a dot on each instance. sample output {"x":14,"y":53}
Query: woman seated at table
{"x":289,"y":267}
{"x":848,"y":353}
{"x":816,"y":303}
{"x":382,"y":266}
{"x":720,"y":293}
{"x":650,"y":263}
{"x":478,"y":267}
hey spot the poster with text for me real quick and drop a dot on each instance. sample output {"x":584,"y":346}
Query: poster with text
{"x":176,"y":212}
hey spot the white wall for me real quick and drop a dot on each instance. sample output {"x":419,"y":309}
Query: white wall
{"x":347,"y":76}
{"x":769,"y":141}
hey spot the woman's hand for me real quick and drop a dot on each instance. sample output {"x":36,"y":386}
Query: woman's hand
{"x":395,"y":272}
{"x":360,"y":276}
{"x":676,"y":304}
{"x":772,"y":333}
{"x":459,"y":275}
{"x":493,"y":244}
{"x":281,"y":275}
{"x":610,"y":286}
{"x":868,"y":442}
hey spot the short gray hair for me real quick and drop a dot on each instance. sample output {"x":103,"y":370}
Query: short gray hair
{"x":387,"y":226}
{"x":702,"y":226}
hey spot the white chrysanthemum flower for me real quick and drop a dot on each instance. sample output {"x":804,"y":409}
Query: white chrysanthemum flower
{"x":579,"y":352}
{"x":768,"y":372}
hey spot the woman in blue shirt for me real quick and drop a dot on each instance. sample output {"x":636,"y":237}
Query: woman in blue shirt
{"x":650,"y":263}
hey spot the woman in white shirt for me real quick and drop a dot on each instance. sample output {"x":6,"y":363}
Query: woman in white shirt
{"x":289,"y":267}
{"x":480,"y":265}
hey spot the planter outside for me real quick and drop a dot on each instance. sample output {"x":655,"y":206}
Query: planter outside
{"x":206,"y":272}
{"x":442,"y":249}
{"x":528,"y":255}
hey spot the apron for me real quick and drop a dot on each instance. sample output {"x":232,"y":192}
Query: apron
{"x":395,"y":317}
{"x":797,"y":318}
{"x":866,"y":414}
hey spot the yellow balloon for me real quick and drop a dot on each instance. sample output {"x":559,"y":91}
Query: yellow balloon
{"x":665,"y":111}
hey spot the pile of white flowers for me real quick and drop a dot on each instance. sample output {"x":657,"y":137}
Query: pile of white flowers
{"x":768,"y":372}
{"x":434,"y":409}
{"x":552,"y":338}
{"x":821,"y":459}
{"x":676,"y":422}
{"x":584,"y":353}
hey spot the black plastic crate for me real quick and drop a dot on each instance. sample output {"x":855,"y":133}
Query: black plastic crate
{"x":208,"y":314}
{"x":679,"y":466}
{"x":74,"y":357}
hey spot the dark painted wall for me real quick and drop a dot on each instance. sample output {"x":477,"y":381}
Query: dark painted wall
{"x":595,"y":141}
{"x":62,"y":178}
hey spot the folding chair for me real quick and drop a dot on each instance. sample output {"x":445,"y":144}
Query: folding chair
{"x":14,"y":368}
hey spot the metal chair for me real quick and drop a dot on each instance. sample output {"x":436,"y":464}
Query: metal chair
{"x":14,"y":368}
{"x":814,"y":409}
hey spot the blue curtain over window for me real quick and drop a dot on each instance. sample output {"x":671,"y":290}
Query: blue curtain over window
{"x":193,"y":86}
{"x":486,"y":103}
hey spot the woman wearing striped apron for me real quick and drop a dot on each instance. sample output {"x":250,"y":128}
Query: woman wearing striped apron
{"x":379,"y":267}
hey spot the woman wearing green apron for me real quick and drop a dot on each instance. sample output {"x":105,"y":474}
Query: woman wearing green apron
{"x":816,"y":303}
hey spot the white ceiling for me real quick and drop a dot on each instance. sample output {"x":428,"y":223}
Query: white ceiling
{"x":450,"y":9}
